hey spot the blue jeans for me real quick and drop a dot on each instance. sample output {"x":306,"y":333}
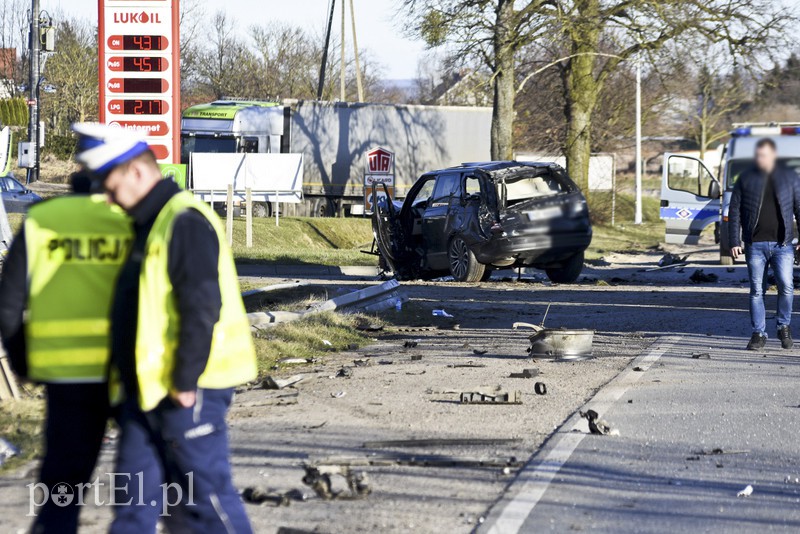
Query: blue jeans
{"x":183,"y":446}
{"x":759,"y":257}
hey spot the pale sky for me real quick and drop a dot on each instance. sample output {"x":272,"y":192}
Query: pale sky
{"x":380,"y":27}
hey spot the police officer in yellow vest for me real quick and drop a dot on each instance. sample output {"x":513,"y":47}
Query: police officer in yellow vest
{"x":55,"y":295}
{"x":180,"y":342}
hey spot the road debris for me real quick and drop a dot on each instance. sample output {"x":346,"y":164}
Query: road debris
{"x":319,"y":479}
{"x":479,"y":352}
{"x":526,"y":373}
{"x":374,"y":327}
{"x":344,"y":372}
{"x":598,"y":426}
{"x":256,"y":495}
{"x":701,"y":356}
{"x":338,"y":394}
{"x":297,"y":361}
{"x":410,"y":344}
{"x":718,"y":451}
{"x":791,"y":479}
{"x":558,"y":343}
{"x":419,"y":460}
{"x":500,"y":397}
{"x":701,"y":277}
{"x":540,"y":388}
{"x":273,"y":399}
{"x":385,"y":362}
{"x":277,"y":383}
{"x":746,"y":492}
{"x":436,"y":442}
{"x":416,"y":357}
{"x":442,"y":313}
{"x":468,"y":365}
{"x":638,"y":369}
{"x":362,"y":363}
{"x":669,"y":260}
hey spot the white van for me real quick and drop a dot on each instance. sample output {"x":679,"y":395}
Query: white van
{"x":692,"y":198}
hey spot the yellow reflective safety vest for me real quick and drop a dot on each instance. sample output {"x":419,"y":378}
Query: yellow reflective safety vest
{"x":232,"y":360}
{"x":75,"y":247}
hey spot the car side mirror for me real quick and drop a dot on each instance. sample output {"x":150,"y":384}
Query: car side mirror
{"x":714,"y":190}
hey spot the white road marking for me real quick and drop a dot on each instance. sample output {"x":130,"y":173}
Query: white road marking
{"x":536,"y":476}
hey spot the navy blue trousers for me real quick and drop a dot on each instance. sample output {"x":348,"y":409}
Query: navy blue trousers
{"x":173,"y":464}
{"x":74,"y":429}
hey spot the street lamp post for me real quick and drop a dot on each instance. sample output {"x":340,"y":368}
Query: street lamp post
{"x":33,"y":91}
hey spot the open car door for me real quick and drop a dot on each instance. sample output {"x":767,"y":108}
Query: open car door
{"x":690,"y":198}
{"x":385,"y":225}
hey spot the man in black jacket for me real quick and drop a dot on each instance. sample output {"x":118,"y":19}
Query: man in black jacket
{"x":765,"y":204}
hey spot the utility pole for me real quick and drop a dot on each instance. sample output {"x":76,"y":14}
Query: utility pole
{"x":637,"y":218}
{"x":342,"y":85}
{"x":359,"y":83}
{"x":324,"y":66}
{"x":34,"y":50}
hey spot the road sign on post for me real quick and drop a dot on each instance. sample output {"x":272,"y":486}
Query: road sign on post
{"x":379,"y":170}
{"x":139,"y":56}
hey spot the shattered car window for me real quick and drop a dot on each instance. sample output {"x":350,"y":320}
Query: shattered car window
{"x":472,"y":186}
{"x":425,"y":193}
{"x":529,"y":187}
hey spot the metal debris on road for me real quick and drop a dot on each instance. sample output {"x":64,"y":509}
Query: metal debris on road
{"x":526,"y":373}
{"x":479,"y":352}
{"x":701,"y":277}
{"x":319,"y":479}
{"x":257,"y":495}
{"x":386,"y":362}
{"x":717,"y":451}
{"x":561,"y":344}
{"x":410,"y":344}
{"x":416,"y":357}
{"x":468,"y":365}
{"x":598,"y":426}
{"x":701,"y":356}
{"x":500,"y":397}
{"x":437,"y":442}
{"x":338,"y":394}
{"x":670,"y":260}
{"x":277,"y":383}
{"x":297,"y":361}
{"x":442,"y":313}
{"x":746,"y":492}
{"x":540,"y":388}
{"x":344,"y":372}
{"x":362,"y":363}
{"x":638,"y":369}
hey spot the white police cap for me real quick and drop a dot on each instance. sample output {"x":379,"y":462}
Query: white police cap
{"x":102,"y":147}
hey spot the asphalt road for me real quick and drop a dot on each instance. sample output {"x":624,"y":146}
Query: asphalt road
{"x":693,"y":433}
{"x":639,"y":481}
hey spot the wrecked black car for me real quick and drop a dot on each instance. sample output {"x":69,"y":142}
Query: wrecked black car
{"x":466,"y":221}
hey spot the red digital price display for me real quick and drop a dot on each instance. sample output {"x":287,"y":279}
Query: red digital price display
{"x":138,"y":85}
{"x":144,"y":64}
{"x":138,"y":42}
{"x":138,"y":106}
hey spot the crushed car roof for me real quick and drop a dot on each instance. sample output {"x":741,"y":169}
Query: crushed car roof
{"x":493,"y":166}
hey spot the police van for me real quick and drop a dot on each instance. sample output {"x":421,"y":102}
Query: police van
{"x":694,"y":198}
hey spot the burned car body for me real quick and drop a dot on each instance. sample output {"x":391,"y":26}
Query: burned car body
{"x":471,"y":219}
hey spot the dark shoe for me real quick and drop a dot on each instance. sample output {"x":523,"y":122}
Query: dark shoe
{"x":757,"y":341}
{"x":785,"y":335}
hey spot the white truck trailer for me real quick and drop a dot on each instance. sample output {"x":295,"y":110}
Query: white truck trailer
{"x":334,"y":137}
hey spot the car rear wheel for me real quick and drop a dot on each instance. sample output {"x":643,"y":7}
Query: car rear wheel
{"x":464,"y":266}
{"x":569,"y":271}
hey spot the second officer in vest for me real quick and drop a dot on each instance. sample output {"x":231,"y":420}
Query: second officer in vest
{"x":180,"y":342}
{"x":58,"y":282}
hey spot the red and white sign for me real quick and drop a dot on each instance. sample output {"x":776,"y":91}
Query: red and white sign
{"x":139,"y":60}
{"x":379,"y":170}
{"x":380,"y":161}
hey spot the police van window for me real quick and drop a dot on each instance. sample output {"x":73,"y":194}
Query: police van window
{"x":446,"y":186}
{"x":737,"y":166}
{"x":686,"y":174}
